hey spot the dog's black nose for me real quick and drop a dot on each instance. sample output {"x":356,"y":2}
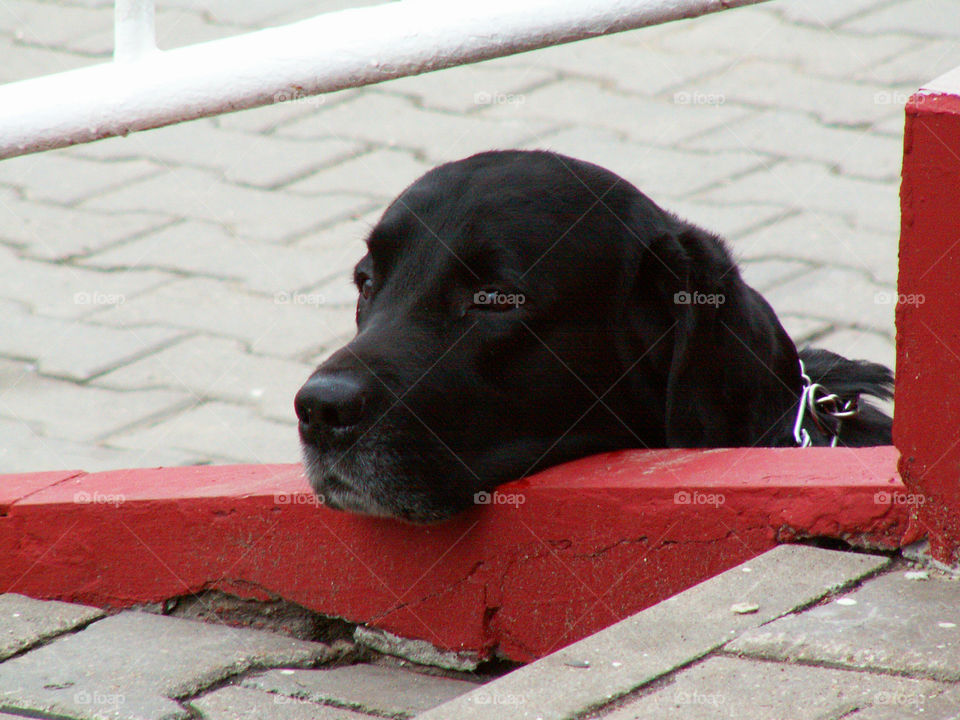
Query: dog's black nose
{"x":334,"y":401}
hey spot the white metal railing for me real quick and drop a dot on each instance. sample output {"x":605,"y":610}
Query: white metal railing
{"x":146,"y":88}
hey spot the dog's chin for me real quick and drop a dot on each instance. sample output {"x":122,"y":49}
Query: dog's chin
{"x":340,"y":486}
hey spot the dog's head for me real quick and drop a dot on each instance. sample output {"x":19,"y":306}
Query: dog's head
{"x":519,"y":309}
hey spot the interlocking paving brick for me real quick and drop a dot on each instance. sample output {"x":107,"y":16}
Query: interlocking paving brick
{"x":659,"y":172}
{"x":661,"y":638}
{"x":384,"y":690}
{"x":220,"y":432}
{"x":217,"y":368}
{"x":763,"y":275}
{"x":929,"y":18}
{"x":734,"y":689}
{"x":242,"y":703}
{"x":202,"y":195}
{"x":21,"y":62}
{"x":924,"y":61}
{"x":841,"y":296}
{"x":878,"y":347}
{"x":62,"y":409}
{"x":64,"y":291}
{"x":438,"y":136}
{"x":243,"y":158}
{"x":278,"y":325}
{"x":174,"y":28}
{"x":759,"y":33}
{"x":25,"y":449}
{"x":805,"y":186}
{"x":51,"y":25}
{"x":347,"y":236}
{"x":857,"y":152}
{"x":726,"y":220}
{"x":50,"y":232}
{"x":821,"y":237}
{"x":802,"y":329}
{"x":890,"y":624}
{"x":822,"y":13}
{"x":268,"y":118}
{"x":652,"y":68}
{"x":468,"y":88}
{"x":382,"y":173}
{"x":24,"y":622}
{"x":133,"y":664}
{"x":831,"y":100}
{"x":57,"y":177}
{"x":582,"y":103}
{"x":74,"y":350}
{"x":197,"y":248}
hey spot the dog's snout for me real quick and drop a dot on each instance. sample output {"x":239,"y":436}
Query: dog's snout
{"x":332,"y":402}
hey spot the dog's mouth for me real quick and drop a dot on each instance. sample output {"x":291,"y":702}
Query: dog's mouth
{"x":365,"y":484}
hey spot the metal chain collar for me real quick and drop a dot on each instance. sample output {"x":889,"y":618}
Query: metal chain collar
{"x":826,"y":409}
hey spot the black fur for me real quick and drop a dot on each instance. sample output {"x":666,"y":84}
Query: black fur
{"x":624,"y":327}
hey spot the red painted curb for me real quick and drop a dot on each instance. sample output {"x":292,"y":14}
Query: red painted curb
{"x":549,"y":560}
{"x":927,"y":423}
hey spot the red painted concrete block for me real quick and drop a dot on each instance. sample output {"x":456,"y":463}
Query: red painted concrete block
{"x":550,"y":559}
{"x":927,"y":424}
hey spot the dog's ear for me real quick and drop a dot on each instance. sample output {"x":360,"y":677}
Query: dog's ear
{"x":733,"y":376}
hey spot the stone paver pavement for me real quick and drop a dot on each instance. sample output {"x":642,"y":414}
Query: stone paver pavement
{"x":175,"y":285}
{"x":798,"y":633}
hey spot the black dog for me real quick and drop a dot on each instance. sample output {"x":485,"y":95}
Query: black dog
{"x":521,"y":309}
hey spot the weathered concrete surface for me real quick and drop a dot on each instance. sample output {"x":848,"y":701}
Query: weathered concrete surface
{"x":25,"y":622}
{"x":891,"y":624}
{"x":133,"y":665}
{"x":669,"y":635}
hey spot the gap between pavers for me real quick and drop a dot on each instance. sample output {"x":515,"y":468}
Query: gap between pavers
{"x":662,"y":638}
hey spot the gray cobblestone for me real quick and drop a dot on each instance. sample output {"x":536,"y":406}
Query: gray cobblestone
{"x":381,"y":173}
{"x":822,"y":13}
{"x":23,"y":61}
{"x":778,"y":134}
{"x":241,"y":703}
{"x":724,"y":687}
{"x":195,"y":248}
{"x":762,"y":34}
{"x":24,"y":622}
{"x":59,"y":178}
{"x":841,"y":296}
{"x":200,"y":195}
{"x":857,"y":344}
{"x":214,"y":368}
{"x":143,"y":661}
{"x":661,"y":172}
{"x":221,"y":431}
{"x":73,"y":350}
{"x":819,"y":237}
{"x":927,"y":18}
{"x":384,"y":690}
{"x":61,"y":409}
{"x":806,"y":187}
{"x":924,"y":61}
{"x":56,"y":290}
{"x":24,"y":450}
{"x":50,"y":232}
{"x":832,"y":101}
{"x":470,"y":88}
{"x":243,"y":158}
{"x":892,"y":624}
{"x":435,"y":135}
{"x":49,"y":25}
{"x":585,"y":104}
{"x":268,"y":325}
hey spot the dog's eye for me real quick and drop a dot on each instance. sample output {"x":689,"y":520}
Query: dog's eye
{"x":364,"y":285}
{"x":496,"y":300}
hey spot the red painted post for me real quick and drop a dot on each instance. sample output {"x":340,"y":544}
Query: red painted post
{"x":927,"y":423}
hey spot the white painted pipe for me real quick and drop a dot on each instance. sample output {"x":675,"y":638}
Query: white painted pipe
{"x":133,"y":30}
{"x":325,"y":53}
